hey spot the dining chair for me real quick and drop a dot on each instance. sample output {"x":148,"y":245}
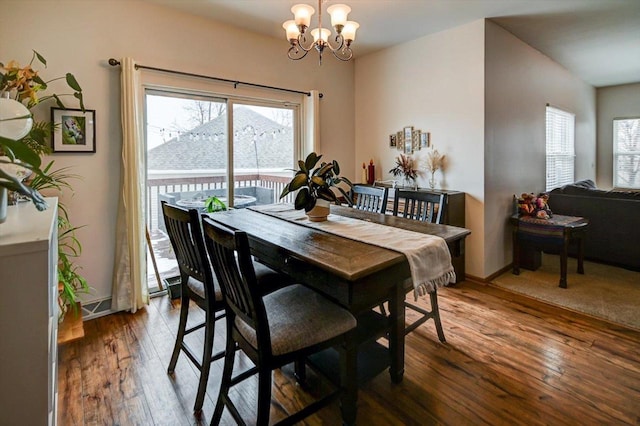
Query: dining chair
{"x":280,"y":328}
{"x":425,"y":207}
{"x":419,"y":205}
{"x":199,"y":285}
{"x":370,"y":198}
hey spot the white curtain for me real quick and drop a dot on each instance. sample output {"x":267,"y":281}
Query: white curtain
{"x":129,"y":277}
{"x":311,"y":122}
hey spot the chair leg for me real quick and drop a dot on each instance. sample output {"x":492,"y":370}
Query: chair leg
{"x":209,"y":334}
{"x":300,"y":371}
{"x":182,"y":326}
{"x":227,"y":370}
{"x":264,"y":395}
{"x":436,"y":315}
{"x":349,"y":379}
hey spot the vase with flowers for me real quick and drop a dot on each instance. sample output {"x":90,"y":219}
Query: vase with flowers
{"x":405,"y":167}
{"x":435,"y":162}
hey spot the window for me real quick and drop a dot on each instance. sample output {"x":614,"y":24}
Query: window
{"x":560,"y":147}
{"x":626,"y":153}
{"x":240,"y":150}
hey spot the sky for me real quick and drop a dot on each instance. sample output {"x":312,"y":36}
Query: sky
{"x":165,"y":114}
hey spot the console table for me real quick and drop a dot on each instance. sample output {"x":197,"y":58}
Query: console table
{"x":556,"y":232}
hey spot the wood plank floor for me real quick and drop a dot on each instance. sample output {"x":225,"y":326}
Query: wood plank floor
{"x":508,"y":360}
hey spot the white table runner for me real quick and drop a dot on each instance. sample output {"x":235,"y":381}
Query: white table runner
{"x":428,"y":255}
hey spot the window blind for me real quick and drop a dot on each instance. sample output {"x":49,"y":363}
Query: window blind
{"x":560,"y":137}
{"x":626,"y":153}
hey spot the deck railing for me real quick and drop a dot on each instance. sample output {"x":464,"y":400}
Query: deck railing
{"x":156,"y":186}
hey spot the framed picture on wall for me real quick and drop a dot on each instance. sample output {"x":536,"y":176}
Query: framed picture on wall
{"x":400,"y":141}
{"x":392,"y":141}
{"x":407,"y":135}
{"x":415,"y":140}
{"x":74,"y":130}
{"x":425,"y":138}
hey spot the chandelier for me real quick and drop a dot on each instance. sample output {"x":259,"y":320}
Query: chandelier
{"x":301,"y":44}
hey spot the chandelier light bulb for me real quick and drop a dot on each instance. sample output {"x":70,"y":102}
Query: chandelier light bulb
{"x":338,"y":14}
{"x":302,"y":14}
{"x":322,"y":34}
{"x":291,"y":29}
{"x":349,"y":30}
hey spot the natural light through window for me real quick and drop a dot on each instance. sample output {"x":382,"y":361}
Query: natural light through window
{"x":626,"y":153}
{"x":560,"y":137}
{"x":189,"y":139}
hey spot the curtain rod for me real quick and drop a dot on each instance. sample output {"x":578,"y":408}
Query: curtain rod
{"x":115,"y":63}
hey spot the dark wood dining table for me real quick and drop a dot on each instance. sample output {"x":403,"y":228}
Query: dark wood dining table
{"x":357,"y":275}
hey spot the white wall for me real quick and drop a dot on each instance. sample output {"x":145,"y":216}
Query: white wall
{"x":436,"y":84}
{"x":520,"y":81}
{"x":80,"y":36}
{"x":613,"y":102}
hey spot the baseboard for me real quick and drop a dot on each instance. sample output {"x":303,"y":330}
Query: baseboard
{"x":490,"y":278}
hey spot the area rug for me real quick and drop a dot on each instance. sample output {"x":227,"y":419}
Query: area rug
{"x":603,"y":291}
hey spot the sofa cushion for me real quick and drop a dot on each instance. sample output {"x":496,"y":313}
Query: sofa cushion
{"x":586,"y":187}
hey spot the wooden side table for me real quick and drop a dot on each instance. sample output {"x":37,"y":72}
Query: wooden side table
{"x":556,"y":232}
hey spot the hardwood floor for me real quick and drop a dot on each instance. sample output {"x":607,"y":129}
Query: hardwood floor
{"x":508,"y":360}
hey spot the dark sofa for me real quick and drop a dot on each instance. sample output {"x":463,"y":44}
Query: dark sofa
{"x":613,"y":235}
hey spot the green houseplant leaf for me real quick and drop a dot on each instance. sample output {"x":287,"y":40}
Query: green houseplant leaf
{"x":315,"y":182}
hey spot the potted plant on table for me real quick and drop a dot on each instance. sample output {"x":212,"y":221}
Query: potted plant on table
{"x":314,"y":184}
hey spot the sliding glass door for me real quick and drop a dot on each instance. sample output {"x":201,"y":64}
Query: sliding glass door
{"x":263,"y":153}
{"x":190,"y":142}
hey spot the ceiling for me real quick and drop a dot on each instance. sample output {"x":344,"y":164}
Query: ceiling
{"x":598,"y":40}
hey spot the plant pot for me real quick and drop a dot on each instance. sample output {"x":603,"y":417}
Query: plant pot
{"x":320,"y":212}
{"x":173,"y":287}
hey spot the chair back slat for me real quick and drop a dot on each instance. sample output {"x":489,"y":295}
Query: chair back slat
{"x":185,"y":235}
{"x":230,"y":254}
{"x":370,"y":198}
{"x":419,"y":205}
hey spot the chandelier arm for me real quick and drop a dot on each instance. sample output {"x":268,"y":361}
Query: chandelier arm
{"x":302,"y":39}
{"x":339,"y":39}
{"x":293,"y":52}
{"x":346,"y":58}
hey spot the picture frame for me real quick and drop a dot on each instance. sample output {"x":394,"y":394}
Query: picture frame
{"x":408,"y":146}
{"x":74,"y":130}
{"x":408,"y":133}
{"x":415,"y":140}
{"x":425,"y":139}
{"x":392,"y":141}
{"x":400,"y":141}
{"x":407,"y":139}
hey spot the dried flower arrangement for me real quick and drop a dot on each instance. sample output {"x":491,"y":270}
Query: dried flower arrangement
{"x":435,"y":162}
{"x":405,"y":166}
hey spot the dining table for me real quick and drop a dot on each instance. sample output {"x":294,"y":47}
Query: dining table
{"x":357,"y":275}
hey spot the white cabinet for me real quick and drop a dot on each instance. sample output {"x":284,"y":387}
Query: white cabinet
{"x":29,"y":315}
